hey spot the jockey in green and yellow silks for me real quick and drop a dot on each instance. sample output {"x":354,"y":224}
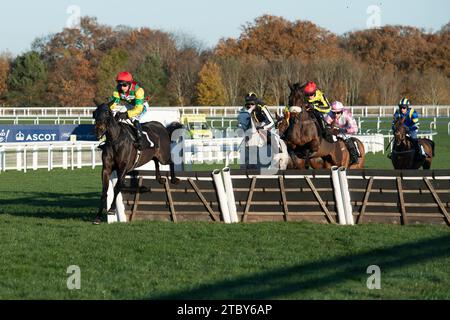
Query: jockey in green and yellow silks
{"x":130,"y":92}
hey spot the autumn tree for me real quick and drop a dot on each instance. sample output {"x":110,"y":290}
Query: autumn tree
{"x":210,"y":89}
{"x":72,"y":81}
{"x":274,"y":37}
{"x":402,"y":47}
{"x":91,"y":40}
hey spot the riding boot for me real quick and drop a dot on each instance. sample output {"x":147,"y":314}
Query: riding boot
{"x":419,"y":155}
{"x":325,"y":133}
{"x":139,"y":135}
{"x":352,"y":150}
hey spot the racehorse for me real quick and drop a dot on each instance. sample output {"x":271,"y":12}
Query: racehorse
{"x":295,"y":161}
{"x":303,"y":135}
{"x":403,"y":154}
{"x":119,"y":153}
{"x":260,"y":148}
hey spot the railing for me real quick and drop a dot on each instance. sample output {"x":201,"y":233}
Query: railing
{"x":71,"y":155}
{"x":36,"y":155}
{"x":214,"y":111}
{"x":432,"y":125}
{"x":38,"y":119}
{"x":47,"y":111}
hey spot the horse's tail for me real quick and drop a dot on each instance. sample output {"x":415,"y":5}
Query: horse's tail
{"x":172,"y":127}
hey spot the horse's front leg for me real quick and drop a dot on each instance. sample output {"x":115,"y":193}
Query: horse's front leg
{"x":173,"y":178}
{"x":158,"y":172}
{"x":106,"y":174}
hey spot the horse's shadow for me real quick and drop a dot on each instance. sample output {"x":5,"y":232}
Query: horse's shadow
{"x":52,"y":205}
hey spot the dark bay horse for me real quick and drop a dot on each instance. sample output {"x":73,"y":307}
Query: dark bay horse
{"x":403,"y":154}
{"x":303,"y":135}
{"x":120,"y":154}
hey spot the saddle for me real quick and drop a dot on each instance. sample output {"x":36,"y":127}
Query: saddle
{"x":133,"y":133}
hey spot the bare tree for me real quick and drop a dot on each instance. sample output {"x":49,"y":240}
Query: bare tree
{"x":255,"y":75}
{"x":231,"y":69}
{"x":387,"y":82}
{"x":347,"y":82}
{"x":184,"y":76}
{"x":434,"y":88}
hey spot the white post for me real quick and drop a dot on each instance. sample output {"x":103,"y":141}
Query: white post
{"x":35,"y":157}
{"x":93,"y":156}
{"x":346,"y":196}
{"x":25,"y":158}
{"x":338,"y":195}
{"x":79,"y":157}
{"x":64,"y":157}
{"x":19,"y":158}
{"x":50,"y":158}
{"x":223,"y":202}
{"x":230,"y":194}
{"x":2,"y":159}
{"x":72,"y":160}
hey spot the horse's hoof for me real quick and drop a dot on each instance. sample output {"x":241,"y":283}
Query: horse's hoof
{"x":97,"y":221}
{"x":175,"y":181}
{"x":161,"y":180}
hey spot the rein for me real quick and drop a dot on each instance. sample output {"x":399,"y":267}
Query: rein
{"x":390,"y":142}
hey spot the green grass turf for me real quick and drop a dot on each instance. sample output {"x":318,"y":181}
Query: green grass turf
{"x":45,"y":228}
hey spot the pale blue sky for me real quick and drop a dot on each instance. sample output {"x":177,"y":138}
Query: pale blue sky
{"x":209,"y":20}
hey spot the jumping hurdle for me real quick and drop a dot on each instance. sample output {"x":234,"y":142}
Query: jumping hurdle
{"x":375,"y":196}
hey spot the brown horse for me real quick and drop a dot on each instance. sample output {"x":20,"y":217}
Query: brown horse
{"x":296,"y":161}
{"x":120,"y":154}
{"x":404,"y":155}
{"x":303,"y":135}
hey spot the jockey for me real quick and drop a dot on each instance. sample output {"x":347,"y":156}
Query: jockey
{"x":130,"y":91}
{"x":322,"y":107}
{"x":342,"y":119}
{"x":410,"y":119}
{"x":259,"y":112}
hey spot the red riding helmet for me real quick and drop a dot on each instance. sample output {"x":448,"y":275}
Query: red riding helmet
{"x":124,"y":76}
{"x":310,"y":88}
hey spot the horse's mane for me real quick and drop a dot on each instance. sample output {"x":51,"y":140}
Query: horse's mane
{"x":298,"y":87}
